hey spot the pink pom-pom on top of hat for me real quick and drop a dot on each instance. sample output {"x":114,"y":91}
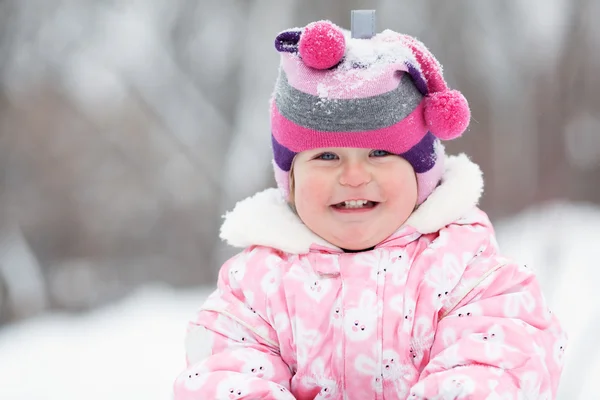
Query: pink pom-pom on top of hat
{"x":322,"y":45}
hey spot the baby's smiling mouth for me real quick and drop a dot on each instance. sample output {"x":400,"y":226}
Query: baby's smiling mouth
{"x":355,"y":204}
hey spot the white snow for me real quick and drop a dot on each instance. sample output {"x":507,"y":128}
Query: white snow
{"x":131,"y":350}
{"x":134,"y":348}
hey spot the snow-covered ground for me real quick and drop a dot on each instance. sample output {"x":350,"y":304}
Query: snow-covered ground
{"x":133,"y":349}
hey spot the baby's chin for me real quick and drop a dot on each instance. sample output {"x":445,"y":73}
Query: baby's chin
{"x":355,"y":237}
{"x":356,"y":244}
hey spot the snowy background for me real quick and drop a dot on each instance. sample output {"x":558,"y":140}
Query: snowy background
{"x":128,"y":128}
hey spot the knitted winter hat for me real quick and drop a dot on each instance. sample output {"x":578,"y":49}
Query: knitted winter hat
{"x":386,"y":92}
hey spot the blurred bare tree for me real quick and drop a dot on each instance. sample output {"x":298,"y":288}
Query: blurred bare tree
{"x":128,"y":129}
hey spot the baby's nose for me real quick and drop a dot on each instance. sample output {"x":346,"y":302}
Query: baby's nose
{"x":355,"y":174}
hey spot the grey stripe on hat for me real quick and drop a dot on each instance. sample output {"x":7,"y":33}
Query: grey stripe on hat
{"x":346,"y":115}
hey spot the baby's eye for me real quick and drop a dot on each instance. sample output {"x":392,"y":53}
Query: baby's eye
{"x":327,"y":156}
{"x":380,"y":153}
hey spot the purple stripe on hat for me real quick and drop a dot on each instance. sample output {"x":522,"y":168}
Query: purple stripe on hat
{"x":417,"y":78}
{"x":282,"y":155}
{"x":422,"y":156}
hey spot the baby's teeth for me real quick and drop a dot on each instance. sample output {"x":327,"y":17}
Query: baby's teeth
{"x":355,"y":203}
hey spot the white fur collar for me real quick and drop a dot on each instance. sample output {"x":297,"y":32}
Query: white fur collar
{"x":266,"y":219}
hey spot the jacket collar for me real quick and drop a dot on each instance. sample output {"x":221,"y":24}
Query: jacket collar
{"x":265,"y":219}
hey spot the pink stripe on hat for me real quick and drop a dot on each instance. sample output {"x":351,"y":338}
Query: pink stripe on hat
{"x":397,"y":138}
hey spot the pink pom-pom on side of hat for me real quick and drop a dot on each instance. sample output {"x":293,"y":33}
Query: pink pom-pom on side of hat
{"x":447,"y":114}
{"x":322,"y":45}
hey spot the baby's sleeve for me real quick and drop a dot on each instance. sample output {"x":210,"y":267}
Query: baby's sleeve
{"x":232,"y":351}
{"x":495,"y":338}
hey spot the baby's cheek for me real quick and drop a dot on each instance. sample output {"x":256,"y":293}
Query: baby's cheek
{"x":311,"y":192}
{"x":403,"y":194}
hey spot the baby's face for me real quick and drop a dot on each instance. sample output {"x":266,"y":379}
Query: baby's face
{"x":353,"y":198}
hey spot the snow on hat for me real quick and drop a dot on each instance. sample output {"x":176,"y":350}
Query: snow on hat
{"x":385,"y":92}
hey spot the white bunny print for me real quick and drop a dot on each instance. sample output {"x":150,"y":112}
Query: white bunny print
{"x":279,"y":392}
{"x":281,"y":322}
{"x":306,"y":339}
{"x":329,"y":387}
{"x":442,"y":278}
{"x":314,"y":285}
{"x":392,"y":368}
{"x":450,"y":356}
{"x":337,"y":316}
{"x":468,"y":310}
{"x":389,"y":370}
{"x":457,"y":387}
{"x":454,"y":387}
{"x":370,"y":366}
{"x":361,"y":322}
{"x":233,"y":330}
{"x":256,"y":364}
{"x":438,"y":243}
{"x":515,"y":302}
{"x":531,"y":384}
{"x":399,"y":267}
{"x":234,"y":387}
{"x":271,"y":281}
{"x":237,"y":271}
{"x":372,"y":261}
{"x":424,"y":333}
{"x":494,"y":344}
{"x":193,"y":378}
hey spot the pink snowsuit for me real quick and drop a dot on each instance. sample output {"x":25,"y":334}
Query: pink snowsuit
{"x":433,"y":312}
